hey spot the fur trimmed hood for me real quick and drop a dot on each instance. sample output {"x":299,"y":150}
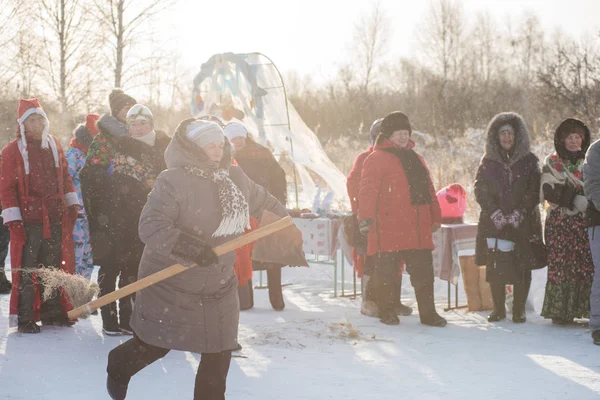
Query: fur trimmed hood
{"x":521,"y":148}
{"x":568,"y":126}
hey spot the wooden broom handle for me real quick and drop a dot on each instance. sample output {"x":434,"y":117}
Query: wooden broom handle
{"x":178,"y":268}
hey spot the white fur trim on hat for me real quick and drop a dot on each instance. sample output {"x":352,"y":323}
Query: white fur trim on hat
{"x":234,"y":130}
{"x":12,"y":214}
{"x":46,"y":132}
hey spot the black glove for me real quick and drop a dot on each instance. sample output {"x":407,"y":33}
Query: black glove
{"x":206,"y":256}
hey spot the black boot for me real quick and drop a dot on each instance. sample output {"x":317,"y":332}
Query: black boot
{"x":275,"y":293}
{"x":520,"y":293}
{"x":499,"y":297}
{"x":384,"y":284}
{"x":246,"y":296}
{"x":5,"y":285}
{"x":400,"y":308}
{"x":29,"y":327}
{"x":426,"y":304}
{"x":110,"y":321}
{"x":389,"y":317}
{"x":116,"y":390}
{"x":596,"y":337}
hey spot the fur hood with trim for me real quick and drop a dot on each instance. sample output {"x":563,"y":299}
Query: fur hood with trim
{"x":521,"y":148}
{"x":564,"y":127}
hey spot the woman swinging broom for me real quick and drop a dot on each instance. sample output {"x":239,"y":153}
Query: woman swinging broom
{"x":199,"y":202}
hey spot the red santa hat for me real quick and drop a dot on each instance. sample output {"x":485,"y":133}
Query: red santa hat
{"x":28,"y":107}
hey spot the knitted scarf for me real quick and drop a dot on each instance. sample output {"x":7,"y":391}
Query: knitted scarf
{"x":235,"y":210}
{"x":416,"y":174}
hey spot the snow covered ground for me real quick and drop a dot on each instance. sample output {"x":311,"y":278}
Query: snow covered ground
{"x":322,"y":348}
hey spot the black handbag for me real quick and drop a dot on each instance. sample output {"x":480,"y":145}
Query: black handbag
{"x":531,"y":253}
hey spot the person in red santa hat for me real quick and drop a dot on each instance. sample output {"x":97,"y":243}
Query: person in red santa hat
{"x":39,"y":206}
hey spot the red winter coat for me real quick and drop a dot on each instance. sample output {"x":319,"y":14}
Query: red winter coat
{"x":384,"y":197}
{"x":353,"y":181}
{"x":19,"y":203}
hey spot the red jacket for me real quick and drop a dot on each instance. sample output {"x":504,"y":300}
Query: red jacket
{"x":21,"y":202}
{"x":353,"y":181}
{"x":384,"y":197}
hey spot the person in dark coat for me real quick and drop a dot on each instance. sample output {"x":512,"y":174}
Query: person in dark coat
{"x":507,"y":187}
{"x":5,"y":285}
{"x":118,"y":175}
{"x":570,"y":265}
{"x":261,"y":166}
{"x":201,"y":201}
{"x":368,"y":306}
{"x":398,"y":209}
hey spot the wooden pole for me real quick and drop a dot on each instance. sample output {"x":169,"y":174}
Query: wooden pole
{"x":178,"y":268}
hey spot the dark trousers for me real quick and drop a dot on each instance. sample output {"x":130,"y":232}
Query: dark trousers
{"x":520,"y":293}
{"x":124,"y":267}
{"x":386,"y":285}
{"x":134,"y":355}
{"x":39,"y":252}
{"x":4,"y":242}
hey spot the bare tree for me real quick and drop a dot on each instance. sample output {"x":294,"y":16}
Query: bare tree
{"x":570,"y":79}
{"x":64,"y":37}
{"x":371,"y":37}
{"x":442,"y":37}
{"x":123,"y":24}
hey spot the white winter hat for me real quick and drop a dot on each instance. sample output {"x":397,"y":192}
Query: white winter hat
{"x":141,"y":113}
{"x":234,"y":130}
{"x":204,"y":132}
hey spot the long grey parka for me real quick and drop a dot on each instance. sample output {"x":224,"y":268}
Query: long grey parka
{"x":197,"y":310}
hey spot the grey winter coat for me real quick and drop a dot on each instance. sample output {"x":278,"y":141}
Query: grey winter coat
{"x":197,"y":310}
{"x":591,"y":182}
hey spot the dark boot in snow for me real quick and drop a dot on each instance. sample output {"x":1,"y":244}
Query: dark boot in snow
{"x":275,"y":293}
{"x":60,"y":320}
{"x":499,"y":297}
{"x":246,"y":296}
{"x":5,"y":285}
{"x":521,"y":291}
{"x":426,"y":304}
{"x":596,"y":337}
{"x":116,"y":390}
{"x":368,"y":306}
{"x":403,"y":310}
{"x":29,"y":327}
{"x":400,"y":308}
{"x":110,"y":322}
{"x":389,"y":317}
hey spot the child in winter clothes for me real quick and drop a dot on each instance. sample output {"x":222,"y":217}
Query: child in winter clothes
{"x":40,"y":206}
{"x":76,"y":155}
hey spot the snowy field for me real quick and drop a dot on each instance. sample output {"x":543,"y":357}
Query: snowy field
{"x":320,"y":347}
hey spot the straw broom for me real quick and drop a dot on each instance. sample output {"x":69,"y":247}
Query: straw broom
{"x":83,"y":309}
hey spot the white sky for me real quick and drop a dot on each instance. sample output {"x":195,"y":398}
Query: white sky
{"x":313,"y":36}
